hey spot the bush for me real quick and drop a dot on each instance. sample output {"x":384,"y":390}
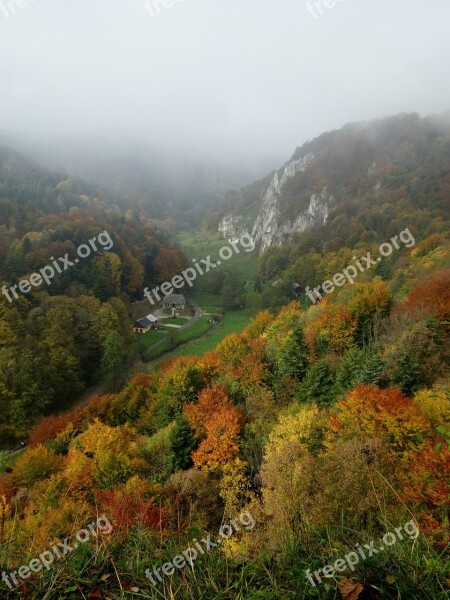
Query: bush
{"x":34,"y":464}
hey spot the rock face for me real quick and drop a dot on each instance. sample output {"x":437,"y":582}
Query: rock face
{"x":227,"y":226}
{"x":269,"y":229}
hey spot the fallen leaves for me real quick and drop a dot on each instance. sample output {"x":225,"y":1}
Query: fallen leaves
{"x":350,"y":589}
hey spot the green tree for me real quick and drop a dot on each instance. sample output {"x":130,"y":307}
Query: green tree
{"x":293,"y":358}
{"x":231,"y":297}
{"x":350,"y":371}
{"x":32,"y":385}
{"x":253,"y":301}
{"x":408,"y":375}
{"x":371,"y":371}
{"x":183,"y":443}
{"x":318,"y":385}
{"x":115,"y":359}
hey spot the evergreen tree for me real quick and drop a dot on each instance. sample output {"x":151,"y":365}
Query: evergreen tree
{"x":350,"y":371}
{"x":293,"y":358}
{"x":231,"y":292}
{"x":26,"y":245}
{"x":371,"y":372}
{"x":318,"y":385}
{"x":408,"y":375}
{"x":384,"y":269}
{"x":32,"y":384}
{"x":183,"y":443}
{"x":114,"y":361}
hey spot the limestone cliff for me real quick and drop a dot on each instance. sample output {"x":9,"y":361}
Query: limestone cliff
{"x":269,"y":227}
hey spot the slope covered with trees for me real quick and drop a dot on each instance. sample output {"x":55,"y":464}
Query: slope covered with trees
{"x":329,"y":425}
{"x":384,"y":177}
{"x":53,"y":340}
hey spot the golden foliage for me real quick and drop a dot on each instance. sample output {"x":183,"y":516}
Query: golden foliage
{"x":434,"y":404}
{"x":35,"y":464}
{"x":369,"y":412}
{"x":305,"y":428}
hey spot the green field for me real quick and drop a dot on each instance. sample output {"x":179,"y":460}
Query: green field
{"x":199,"y":245}
{"x":145,"y":340}
{"x":175,"y":338}
{"x":173,"y":321}
{"x":231,"y":323}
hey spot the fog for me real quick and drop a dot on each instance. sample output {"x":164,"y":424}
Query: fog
{"x":238,"y":81}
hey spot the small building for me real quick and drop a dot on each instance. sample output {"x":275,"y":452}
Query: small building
{"x":145,"y":324}
{"x":174,"y":301}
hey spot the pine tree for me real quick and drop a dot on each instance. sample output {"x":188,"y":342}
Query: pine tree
{"x":350,"y":371}
{"x":408,"y":375}
{"x":371,"y":372}
{"x":183,"y":443}
{"x":114,"y":361}
{"x":384,"y":269}
{"x":293,"y":358}
{"x":318,"y":385}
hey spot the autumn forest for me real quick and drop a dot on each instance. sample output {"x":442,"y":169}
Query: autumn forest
{"x":326,"y":423}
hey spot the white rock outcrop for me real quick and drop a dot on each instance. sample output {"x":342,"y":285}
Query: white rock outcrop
{"x":227,"y":226}
{"x":269,"y":229}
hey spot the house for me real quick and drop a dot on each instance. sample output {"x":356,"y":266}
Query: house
{"x":174,"y":301}
{"x":145,"y":324}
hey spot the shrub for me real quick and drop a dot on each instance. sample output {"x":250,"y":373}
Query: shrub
{"x":34,"y":464}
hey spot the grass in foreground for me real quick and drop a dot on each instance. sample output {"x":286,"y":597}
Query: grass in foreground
{"x":409,"y":572}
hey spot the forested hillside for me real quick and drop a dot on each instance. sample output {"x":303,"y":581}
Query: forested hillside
{"x":380,"y":178}
{"x":58,"y":338}
{"x":224,"y":300}
{"x":326,"y":428}
{"x":404,"y":157}
{"x":287,"y":450}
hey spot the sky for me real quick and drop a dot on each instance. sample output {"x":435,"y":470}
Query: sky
{"x":240,"y":80}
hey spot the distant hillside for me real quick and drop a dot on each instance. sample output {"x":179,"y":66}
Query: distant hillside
{"x":58,"y":338}
{"x":343,"y":178}
{"x":164,"y":184}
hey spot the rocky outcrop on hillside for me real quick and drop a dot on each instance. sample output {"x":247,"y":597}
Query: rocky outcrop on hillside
{"x":269,"y":227}
{"x":228,"y":227}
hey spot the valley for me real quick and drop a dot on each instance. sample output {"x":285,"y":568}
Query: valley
{"x":224,"y":300}
{"x":251,"y":394}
